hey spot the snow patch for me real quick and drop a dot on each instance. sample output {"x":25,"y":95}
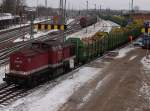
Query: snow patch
{"x":146,"y":62}
{"x":145,"y":91}
{"x":69,"y":21}
{"x":103,"y":81}
{"x":132,"y":58}
{"x":3,"y":70}
{"x":58,"y":95}
{"x":21,"y":25}
{"x":87,"y":97}
{"x":99,"y":85}
{"x":104,"y":26}
{"x":37,"y":35}
{"x":124,"y":51}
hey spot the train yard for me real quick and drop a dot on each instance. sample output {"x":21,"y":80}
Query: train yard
{"x":76,"y":68}
{"x":13,"y":92}
{"x":129,"y":85}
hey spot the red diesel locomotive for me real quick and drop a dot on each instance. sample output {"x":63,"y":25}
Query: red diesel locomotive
{"x":41,"y":61}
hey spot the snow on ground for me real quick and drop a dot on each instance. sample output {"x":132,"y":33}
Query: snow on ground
{"x":124,"y":51}
{"x":91,"y":92}
{"x":109,"y":25}
{"x":53,"y":99}
{"x":103,"y":81}
{"x":146,"y":62}
{"x":3,"y":70}
{"x":6,"y":16}
{"x":69,"y":21}
{"x":146,"y":65}
{"x":22,"y":25}
{"x":91,"y":30}
{"x":113,"y":24}
{"x":14,"y":27}
{"x":145,"y":91}
{"x":132,"y":58}
{"x":36,"y":35}
{"x":37,"y":21}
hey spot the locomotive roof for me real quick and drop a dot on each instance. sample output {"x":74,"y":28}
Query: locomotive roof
{"x":30,"y":51}
{"x":52,"y":43}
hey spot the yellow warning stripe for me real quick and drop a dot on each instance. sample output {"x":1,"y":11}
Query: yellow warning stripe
{"x":143,"y":30}
{"x":49,"y":27}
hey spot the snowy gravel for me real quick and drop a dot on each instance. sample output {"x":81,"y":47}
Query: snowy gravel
{"x":145,"y":91}
{"x":37,"y":35}
{"x":69,"y":21}
{"x":146,"y":62}
{"x":3,"y":69}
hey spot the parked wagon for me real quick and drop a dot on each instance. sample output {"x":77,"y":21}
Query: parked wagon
{"x":87,"y":21}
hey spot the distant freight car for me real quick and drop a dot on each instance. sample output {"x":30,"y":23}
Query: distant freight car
{"x":42,"y":61}
{"x":87,"y":21}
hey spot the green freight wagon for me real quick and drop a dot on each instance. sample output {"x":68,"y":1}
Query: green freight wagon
{"x":89,"y":48}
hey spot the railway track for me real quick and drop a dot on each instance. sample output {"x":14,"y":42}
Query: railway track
{"x":12,"y":36}
{"x":7,"y":36}
{"x":10,"y":93}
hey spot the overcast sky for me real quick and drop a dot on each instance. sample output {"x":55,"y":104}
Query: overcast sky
{"x":113,"y":4}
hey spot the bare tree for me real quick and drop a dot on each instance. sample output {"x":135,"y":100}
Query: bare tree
{"x":13,"y":6}
{"x":19,"y":6}
{"x":8,"y":6}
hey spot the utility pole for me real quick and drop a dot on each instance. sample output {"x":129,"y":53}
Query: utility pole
{"x":129,"y":6}
{"x":132,"y":4}
{"x":61,"y":7}
{"x":65,"y":20}
{"x":87,"y":6}
{"x":37,"y":2}
{"x":46,"y":8}
{"x":32,"y":17}
{"x":100,"y":8}
{"x":65,"y":13}
{"x":95,"y":14}
{"x":100,"y":13}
